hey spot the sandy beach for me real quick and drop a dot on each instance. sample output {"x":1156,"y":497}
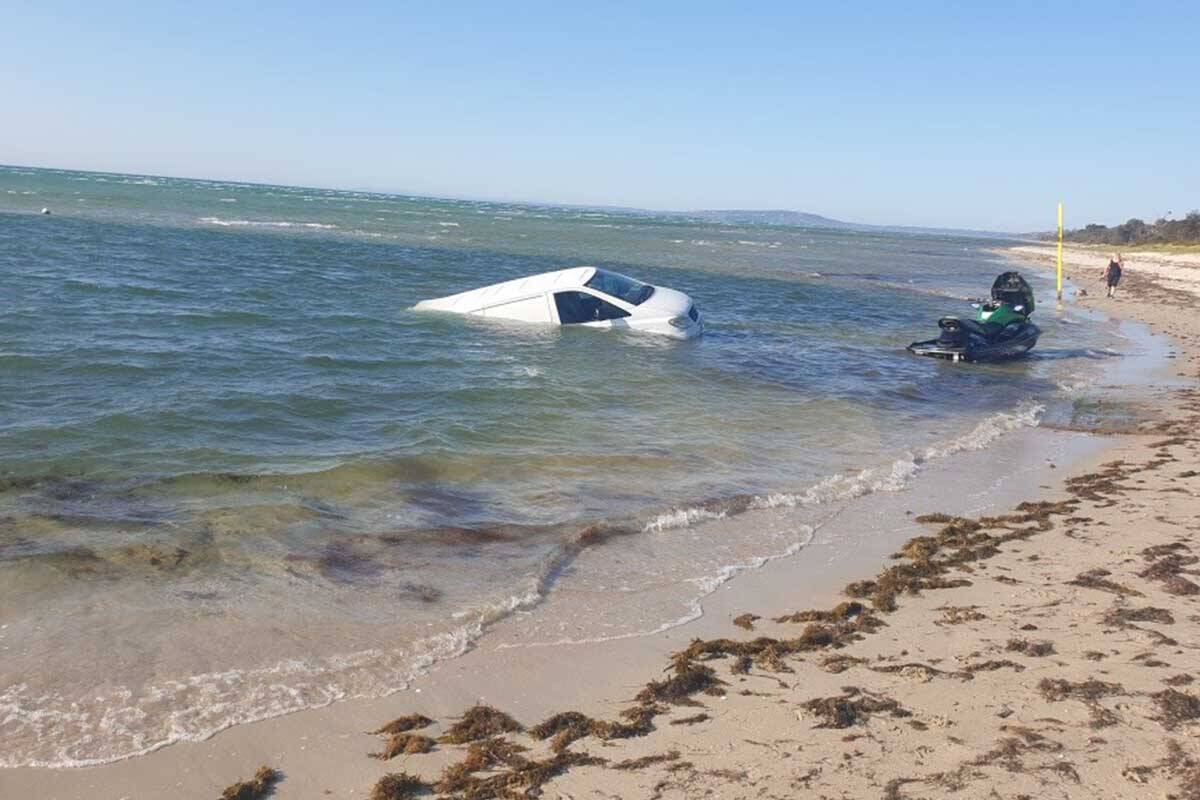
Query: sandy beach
{"x":1040,"y":647}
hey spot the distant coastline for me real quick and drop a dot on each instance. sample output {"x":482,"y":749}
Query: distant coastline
{"x":767,"y":218}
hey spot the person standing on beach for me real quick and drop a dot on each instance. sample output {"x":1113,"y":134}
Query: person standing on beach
{"x":1112,"y":273}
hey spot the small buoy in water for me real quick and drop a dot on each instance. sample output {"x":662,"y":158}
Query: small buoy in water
{"x":46,"y":211}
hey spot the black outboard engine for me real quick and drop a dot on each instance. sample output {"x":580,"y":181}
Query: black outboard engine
{"x":1012,"y":290}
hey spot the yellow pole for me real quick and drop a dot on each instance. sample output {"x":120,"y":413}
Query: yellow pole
{"x":1060,"y":234}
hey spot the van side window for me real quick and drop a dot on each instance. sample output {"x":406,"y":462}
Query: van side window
{"x":574,"y":307}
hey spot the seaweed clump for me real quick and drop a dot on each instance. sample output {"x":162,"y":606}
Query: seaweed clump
{"x":261,"y":785}
{"x":1028,"y":648}
{"x":957,"y":615}
{"x":842,"y":614}
{"x":570,"y":726}
{"x":1097,"y":579}
{"x":689,"y":679}
{"x":646,"y":761}
{"x":959,"y":542}
{"x":522,"y":777}
{"x":1089,"y":691}
{"x":410,"y":722}
{"x":746,"y":621}
{"x":480,"y":722}
{"x":406,"y":743}
{"x":1167,"y":566}
{"x":1121,"y":617}
{"x":1009,"y":750}
{"x":1176,"y":707}
{"x":853,"y":707}
{"x":1056,"y":689}
{"x":396,"y":786}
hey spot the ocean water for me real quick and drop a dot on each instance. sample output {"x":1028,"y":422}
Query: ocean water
{"x":239,"y":476}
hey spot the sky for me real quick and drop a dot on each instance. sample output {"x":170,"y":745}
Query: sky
{"x":905,"y":113}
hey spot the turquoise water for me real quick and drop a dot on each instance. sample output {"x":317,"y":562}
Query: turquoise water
{"x":216,"y":403}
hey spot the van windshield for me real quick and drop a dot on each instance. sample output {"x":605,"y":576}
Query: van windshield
{"x":616,"y":285}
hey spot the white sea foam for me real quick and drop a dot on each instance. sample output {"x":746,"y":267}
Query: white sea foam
{"x":680,"y":518}
{"x":197,"y":707}
{"x":895,"y":476}
{"x":254,"y":223}
{"x":705,"y":585}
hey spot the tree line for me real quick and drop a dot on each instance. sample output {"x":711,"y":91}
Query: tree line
{"x":1136,"y":231}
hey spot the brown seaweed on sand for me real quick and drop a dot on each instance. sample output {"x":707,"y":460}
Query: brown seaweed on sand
{"x":397,"y":786}
{"x":1028,"y":648}
{"x":410,"y":722}
{"x":842,"y":613}
{"x":565,"y":727}
{"x":1167,"y":567}
{"x":479,"y":722}
{"x":261,"y":785}
{"x":957,"y":615}
{"x":1089,"y":692}
{"x":407,"y":743}
{"x":689,"y":678}
{"x":969,"y":671}
{"x":646,"y":761}
{"x":853,"y":707}
{"x":522,"y":777}
{"x":746,"y":621}
{"x":1057,"y":689}
{"x":1096,"y":579}
{"x":1121,"y":617}
{"x":1009,"y":750}
{"x":568,"y":726}
{"x":1176,"y":707}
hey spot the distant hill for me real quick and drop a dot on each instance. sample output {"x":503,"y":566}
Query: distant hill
{"x":798,"y":219}
{"x":802,"y":219}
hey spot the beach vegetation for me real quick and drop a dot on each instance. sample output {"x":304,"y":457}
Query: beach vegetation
{"x":1135,"y":231}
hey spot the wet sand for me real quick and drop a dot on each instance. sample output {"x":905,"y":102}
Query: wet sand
{"x":1038,"y":645}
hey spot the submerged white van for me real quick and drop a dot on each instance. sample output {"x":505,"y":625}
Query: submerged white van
{"x":586,"y":296}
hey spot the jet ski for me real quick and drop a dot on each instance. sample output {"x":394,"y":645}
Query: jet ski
{"x":1000,"y":331}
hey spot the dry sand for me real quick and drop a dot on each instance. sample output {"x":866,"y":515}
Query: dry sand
{"x":1155,"y":271}
{"x":1047,"y":652}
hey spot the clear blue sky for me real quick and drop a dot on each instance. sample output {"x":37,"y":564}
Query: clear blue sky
{"x":901,"y":113}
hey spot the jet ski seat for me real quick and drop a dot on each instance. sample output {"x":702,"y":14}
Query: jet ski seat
{"x":953,"y":326}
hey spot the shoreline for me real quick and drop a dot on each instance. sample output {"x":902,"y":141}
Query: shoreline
{"x":325,"y":749}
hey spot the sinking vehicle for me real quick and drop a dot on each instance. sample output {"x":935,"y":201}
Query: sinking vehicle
{"x":587,"y":296}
